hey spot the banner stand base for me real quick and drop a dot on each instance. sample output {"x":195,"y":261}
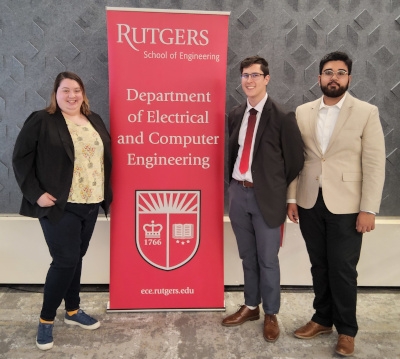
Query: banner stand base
{"x":108,"y":310}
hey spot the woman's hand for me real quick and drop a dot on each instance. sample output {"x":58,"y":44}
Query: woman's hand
{"x":46,"y":200}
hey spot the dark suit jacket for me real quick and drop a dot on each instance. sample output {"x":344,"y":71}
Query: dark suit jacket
{"x":277,"y":160}
{"x":43,"y":161}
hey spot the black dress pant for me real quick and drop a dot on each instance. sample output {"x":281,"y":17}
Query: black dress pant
{"x":68,"y":241}
{"x":334,"y":247}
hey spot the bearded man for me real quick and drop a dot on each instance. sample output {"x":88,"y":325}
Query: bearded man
{"x":336,"y":196}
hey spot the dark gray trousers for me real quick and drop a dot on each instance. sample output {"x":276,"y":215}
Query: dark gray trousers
{"x":258,"y":246}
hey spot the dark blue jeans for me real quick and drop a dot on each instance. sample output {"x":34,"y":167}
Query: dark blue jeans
{"x":68,"y":241}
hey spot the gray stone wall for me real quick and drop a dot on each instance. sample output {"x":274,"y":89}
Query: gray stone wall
{"x":40,"y":38}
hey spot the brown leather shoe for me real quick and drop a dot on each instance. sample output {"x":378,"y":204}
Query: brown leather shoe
{"x":242,"y":315}
{"x":271,"y":328}
{"x":345,"y":345}
{"x":311,"y":330}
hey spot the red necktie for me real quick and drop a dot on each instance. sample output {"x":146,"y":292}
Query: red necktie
{"x":244,"y":161}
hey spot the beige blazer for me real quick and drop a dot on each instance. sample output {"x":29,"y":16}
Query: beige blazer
{"x":352,"y":170}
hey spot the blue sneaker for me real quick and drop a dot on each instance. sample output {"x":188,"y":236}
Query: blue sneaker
{"x":82,"y":319}
{"x":44,"y":338}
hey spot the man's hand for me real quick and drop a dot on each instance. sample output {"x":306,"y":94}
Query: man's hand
{"x":365,"y":222}
{"x":292,"y":212}
{"x":46,"y":200}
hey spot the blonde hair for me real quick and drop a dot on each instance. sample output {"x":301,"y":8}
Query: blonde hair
{"x":53,"y":107}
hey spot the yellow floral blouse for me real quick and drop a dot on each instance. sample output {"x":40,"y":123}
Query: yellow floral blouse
{"x":88,"y":178}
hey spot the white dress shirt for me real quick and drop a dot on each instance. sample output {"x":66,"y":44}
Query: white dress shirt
{"x":327,"y":117}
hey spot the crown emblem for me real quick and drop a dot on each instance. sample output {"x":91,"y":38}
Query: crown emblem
{"x":152,"y":230}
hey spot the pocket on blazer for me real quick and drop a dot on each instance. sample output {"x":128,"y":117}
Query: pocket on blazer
{"x":352,"y":177}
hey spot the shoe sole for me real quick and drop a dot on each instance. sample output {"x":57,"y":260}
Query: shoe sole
{"x":345,"y":355}
{"x":271,"y":340}
{"x":46,"y":346}
{"x":88,"y":327}
{"x":236,"y":324}
{"x":315,"y":335}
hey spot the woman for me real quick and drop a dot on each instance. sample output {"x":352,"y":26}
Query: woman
{"x":62,"y":163}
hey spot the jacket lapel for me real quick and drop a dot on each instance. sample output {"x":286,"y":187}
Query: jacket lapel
{"x":239,"y":119}
{"x":341,"y":120}
{"x":313,"y":123}
{"x":65,"y":135}
{"x":265,"y":118}
{"x":237,"y":122}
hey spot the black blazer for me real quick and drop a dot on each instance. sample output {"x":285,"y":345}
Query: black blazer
{"x":277,"y":160}
{"x":43,"y":161}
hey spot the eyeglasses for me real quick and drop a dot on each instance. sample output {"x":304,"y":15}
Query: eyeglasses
{"x":339,"y":73}
{"x":254,"y":76}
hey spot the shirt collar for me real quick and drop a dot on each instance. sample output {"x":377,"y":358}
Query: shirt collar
{"x":259,"y":107}
{"x":339,"y":104}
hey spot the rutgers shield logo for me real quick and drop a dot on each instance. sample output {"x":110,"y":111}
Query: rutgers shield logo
{"x":167,"y":227}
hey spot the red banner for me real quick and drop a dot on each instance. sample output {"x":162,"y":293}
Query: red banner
{"x":167,"y":73}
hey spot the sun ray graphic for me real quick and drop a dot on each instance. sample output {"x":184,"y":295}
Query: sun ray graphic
{"x":168,"y":202}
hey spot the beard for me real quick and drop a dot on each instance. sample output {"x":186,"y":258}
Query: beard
{"x":334,"y":92}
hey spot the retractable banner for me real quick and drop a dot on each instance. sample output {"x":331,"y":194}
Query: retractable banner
{"x":167,"y":74}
